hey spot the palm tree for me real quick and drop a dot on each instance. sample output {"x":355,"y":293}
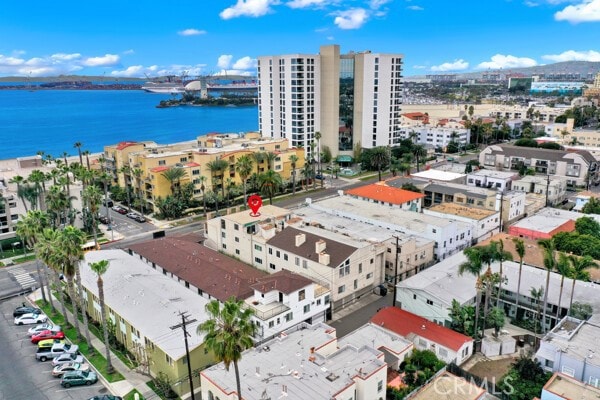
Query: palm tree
{"x":501,"y":256}
{"x":536,"y":294}
{"x":293,"y":162}
{"x":58,"y":204}
{"x":259,"y":157}
{"x":243,"y":166}
{"x":71,"y":240}
{"x":312,"y":163}
{"x":228,"y":333}
{"x":87,"y":153}
{"x":125,"y":170}
{"x":318,"y":139}
{"x":307,"y":172}
{"x":63,"y":256}
{"x":579,"y":267}
{"x":46,"y":248}
{"x":29,"y":228}
{"x":92,"y":197}
{"x":19,"y":180}
{"x":78,"y":145}
{"x":520,"y":248}
{"x":550,"y":265}
{"x":270,"y":182}
{"x":203,"y":188}
{"x":379,"y":159}
{"x":419,"y":152}
{"x":38,"y":178}
{"x":137,"y":172}
{"x":270,"y":158}
{"x":474,"y":266}
{"x":217,"y":169}
{"x":174,"y":175}
{"x":100,"y":269}
{"x":564,"y":269}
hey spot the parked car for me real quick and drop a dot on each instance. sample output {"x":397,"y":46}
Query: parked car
{"x":120,"y":209}
{"x":25,"y":310}
{"x":56,"y":350}
{"x":67,"y":357}
{"x":48,"y":343}
{"x":140,"y":218}
{"x":105,"y":397}
{"x":60,"y":370}
{"x":319,"y":176}
{"x":107,"y":203}
{"x":76,"y":378}
{"x":47,"y":334}
{"x":132,"y":215}
{"x":30,"y":319}
{"x":42,"y":327}
{"x":104,"y":219}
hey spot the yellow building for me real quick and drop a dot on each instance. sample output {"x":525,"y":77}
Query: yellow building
{"x":147,"y":163}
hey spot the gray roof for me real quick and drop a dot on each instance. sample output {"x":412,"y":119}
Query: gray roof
{"x":286,"y":360}
{"x":452,"y":189}
{"x":147,"y":299}
{"x":286,"y":241}
{"x":540,"y":154}
{"x":579,"y":340}
{"x":371,"y":334}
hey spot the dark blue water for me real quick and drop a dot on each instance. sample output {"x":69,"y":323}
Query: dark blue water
{"x":53,"y":120}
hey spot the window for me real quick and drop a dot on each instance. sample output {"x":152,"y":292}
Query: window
{"x":169,"y":360}
{"x":278,"y":254}
{"x":360,"y":268}
{"x":327,"y":299}
{"x":271,"y":324}
{"x":257,"y":247}
{"x":222,"y":224}
{"x":304,"y":264}
{"x":379,"y":386}
{"x":196,"y":172}
{"x":318,"y":302}
{"x":568,"y":371}
{"x":237,"y":251}
{"x":429,"y":302}
{"x":306,"y":308}
{"x":236,"y":227}
{"x":237,"y":239}
{"x":289,"y":317}
{"x":355,"y":284}
{"x":344,"y":270}
{"x":258,"y":260}
{"x":549,"y":364}
{"x":443,"y":352}
{"x":593,"y":381}
{"x":270,"y":250}
{"x":341,"y":289}
{"x":301,"y":295}
{"x":162,"y":162}
{"x":369,"y":275}
{"x":272,"y":266}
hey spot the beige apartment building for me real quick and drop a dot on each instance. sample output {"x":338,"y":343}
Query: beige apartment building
{"x":146,"y":162}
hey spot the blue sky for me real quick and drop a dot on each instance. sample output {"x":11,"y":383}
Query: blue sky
{"x":134,"y":38}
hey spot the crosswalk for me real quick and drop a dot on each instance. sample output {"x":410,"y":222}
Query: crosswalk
{"x":23,"y":278}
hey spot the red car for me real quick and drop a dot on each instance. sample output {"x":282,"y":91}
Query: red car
{"x":47,"y":334}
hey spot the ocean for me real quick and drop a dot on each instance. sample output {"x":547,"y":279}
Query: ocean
{"x":53,"y":120}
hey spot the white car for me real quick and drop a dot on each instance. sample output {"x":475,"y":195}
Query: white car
{"x":66,"y":358}
{"x":59,"y":370}
{"x":30,"y":319}
{"x":42,"y":327}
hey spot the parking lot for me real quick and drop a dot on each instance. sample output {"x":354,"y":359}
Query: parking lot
{"x":24,"y":377}
{"x":126,"y":226}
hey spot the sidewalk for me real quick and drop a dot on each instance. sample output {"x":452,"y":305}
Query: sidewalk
{"x":133,"y":379}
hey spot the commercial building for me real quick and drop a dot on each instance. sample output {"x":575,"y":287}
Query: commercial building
{"x":303,"y":363}
{"x":140,"y":167}
{"x":578,"y":168}
{"x":142,"y":304}
{"x":571,"y":348}
{"x":352,"y":99}
{"x":562,"y":88}
{"x":448,"y":345}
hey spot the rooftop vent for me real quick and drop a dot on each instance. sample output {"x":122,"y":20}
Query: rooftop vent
{"x":332,"y":377}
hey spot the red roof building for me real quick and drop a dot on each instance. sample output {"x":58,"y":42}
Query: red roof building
{"x":388,"y":195}
{"x":448,"y":345}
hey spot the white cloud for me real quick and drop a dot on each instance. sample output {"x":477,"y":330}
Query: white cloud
{"x":420,"y":66}
{"x":507,"y":61}
{"x":456,"y":65}
{"x":307,"y":3}
{"x":224,"y":61}
{"x":65,"y":57}
{"x":572,"y":55}
{"x":107,"y":60}
{"x":376,"y":4}
{"x":10,"y":61}
{"x":351,"y":19}
{"x":415,"y":8}
{"x":586,"y":11}
{"x":245,"y":63}
{"x":130,"y":51}
{"x":191,"y":32}
{"x":132,"y":71}
{"x":247,"y":8}
{"x":330,"y":38}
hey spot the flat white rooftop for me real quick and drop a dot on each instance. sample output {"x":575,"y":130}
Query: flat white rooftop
{"x":438,"y":175}
{"x":146,"y":299}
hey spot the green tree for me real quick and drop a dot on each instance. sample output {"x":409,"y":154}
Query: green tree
{"x":520,"y":248}
{"x":579,"y":267}
{"x":501,"y":255}
{"x":294,"y":163}
{"x":19,"y":180}
{"x":217,"y":169}
{"x":587,"y":226}
{"x":524,"y":380}
{"x":100,"y":268}
{"x":550,"y":264}
{"x":536,"y":295}
{"x":46,"y":248}
{"x":92,"y":197}
{"x":203,"y":188}
{"x":496,"y":319}
{"x":380,"y":159}
{"x":78,"y":145}
{"x":582,"y":311}
{"x":243,"y":166}
{"x":29,"y":228}
{"x":174,"y":175}
{"x":462,"y":318}
{"x":259,"y":157}
{"x":592,"y":206}
{"x":228,"y":333}
{"x":474,"y":266}
{"x":269,"y":183}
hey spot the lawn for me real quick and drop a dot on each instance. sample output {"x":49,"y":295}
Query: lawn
{"x":131,"y":395}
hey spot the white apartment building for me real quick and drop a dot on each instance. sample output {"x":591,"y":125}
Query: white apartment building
{"x":448,"y":236}
{"x":351,"y":99}
{"x":492,"y":179}
{"x":555,"y":187}
{"x":485,"y":223}
{"x":436,"y":136}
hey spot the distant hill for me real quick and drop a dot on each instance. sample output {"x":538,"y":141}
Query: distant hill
{"x":584,"y":69}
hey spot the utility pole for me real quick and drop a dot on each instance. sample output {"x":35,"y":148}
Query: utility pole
{"x":395,"y":273}
{"x":184,"y":322}
{"x":547,"y":188}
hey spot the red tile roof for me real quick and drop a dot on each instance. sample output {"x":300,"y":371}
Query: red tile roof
{"x":192,"y":164}
{"x":159,"y":169}
{"x":385,"y":193}
{"x":122,"y":145}
{"x":405,"y":323}
{"x":417,"y":116}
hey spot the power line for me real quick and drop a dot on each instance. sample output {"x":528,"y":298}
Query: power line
{"x":184,"y":322}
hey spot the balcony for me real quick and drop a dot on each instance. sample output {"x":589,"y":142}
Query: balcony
{"x":267,"y":311}
{"x":320,"y":290}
